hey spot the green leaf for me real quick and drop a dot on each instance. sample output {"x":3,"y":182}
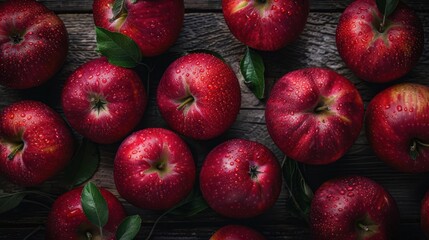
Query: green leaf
{"x":216,"y":54}
{"x":94,"y":205}
{"x":387,"y":7}
{"x":252,"y":68}
{"x":9,"y":201}
{"x":133,"y":1}
{"x":193,"y":204}
{"x":84,"y":163}
{"x":300,"y":194}
{"x":117,"y":9}
{"x":119,"y":49}
{"x":129,"y":228}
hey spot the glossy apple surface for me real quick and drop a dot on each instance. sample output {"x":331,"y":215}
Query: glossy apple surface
{"x":240,"y":179}
{"x":103,"y":102}
{"x":374,"y":53}
{"x":199,"y":96}
{"x":236,"y":232}
{"x":35,"y":143}
{"x":154,"y":169}
{"x":397,"y":126}
{"x":351,"y":208}
{"x":33,"y":44}
{"x":314,"y":115}
{"x":67,"y":221}
{"x":266,"y":24}
{"x":153,"y":25}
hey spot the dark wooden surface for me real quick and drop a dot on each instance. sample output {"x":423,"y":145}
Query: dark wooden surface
{"x":205,"y":28}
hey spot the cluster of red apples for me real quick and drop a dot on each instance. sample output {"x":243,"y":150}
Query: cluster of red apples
{"x":313,"y":115}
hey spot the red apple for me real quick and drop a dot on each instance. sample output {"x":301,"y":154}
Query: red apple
{"x":424,"y":214}
{"x":265,"y":24}
{"x":314,"y":115}
{"x":67,"y":220}
{"x":33,"y":44}
{"x":103,"y":102}
{"x":397,"y":126}
{"x":378,"y":53}
{"x":240,"y":179}
{"x":154,"y":169}
{"x":236,"y":232}
{"x":199,"y":96}
{"x":35,"y":143}
{"x":153,"y":25}
{"x":351,"y":208}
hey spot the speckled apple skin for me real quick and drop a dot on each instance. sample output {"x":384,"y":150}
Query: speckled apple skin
{"x":266,"y":26}
{"x":43,"y":49}
{"x":67,"y":221}
{"x":393,"y":119}
{"x":374,"y":56}
{"x":121,"y":88}
{"x":153,"y":25}
{"x":227,"y":186}
{"x":147,"y":189}
{"x":340,"y":203}
{"x":214,"y":87}
{"x":48,"y":143}
{"x":302,"y":134}
{"x":236,"y":232}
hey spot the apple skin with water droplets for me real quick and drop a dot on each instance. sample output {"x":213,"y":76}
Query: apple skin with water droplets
{"x":67,"y":221}
{"x":397,"y":126}
{"x":154,"y":169}
{"x":376,"y":56}
{"x":33,"y":44}
{"x":153,"y":25}
{"x":199,"y":96}
{"x":353,"y":207}
{"x":266,"y":25}
{"x":35,"y":143}
{"x":236,"y":232}
{"x":103,"y":102}
{"x":314,"y":115}
{"x":240,"y":179}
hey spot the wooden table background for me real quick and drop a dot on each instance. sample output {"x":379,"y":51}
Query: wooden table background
{"x":204,"y":28}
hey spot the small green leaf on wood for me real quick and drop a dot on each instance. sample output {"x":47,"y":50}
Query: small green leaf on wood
{"x":387,"y":7}
{"x":300,"y":194}
{"x":129,"y":228}
{"x":94,"y":205}
{"x":84,"y":163}
{"x":193,"y":204}
{"x":119,"y":49}
{"x":252,"y":68}
{"x":9,"y":201}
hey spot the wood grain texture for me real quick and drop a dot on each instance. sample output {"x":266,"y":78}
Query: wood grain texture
{"x":215,"y":5}
{"x":315,"y":47}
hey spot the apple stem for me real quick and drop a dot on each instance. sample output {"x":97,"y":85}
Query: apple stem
{"x":88,"y":235}
{"x":321,"y":109}
{"x":188,"y":100}
{"x":15,"y":151}
{"x":363,"y":227}
{"x":414,"y":148}
{"x":381,"y":29}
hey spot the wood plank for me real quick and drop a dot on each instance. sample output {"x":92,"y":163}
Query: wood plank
{"x":215,"y":5}
{"x":315,"y":47}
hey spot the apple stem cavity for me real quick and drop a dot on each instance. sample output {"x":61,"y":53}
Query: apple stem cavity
{"x":98,"y":103}
{"x":254,"y":172}
{"x":15,"y":150}
{"x":414,"y":148}
{"x":16,"y":39}
{"x":185,"y":102}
